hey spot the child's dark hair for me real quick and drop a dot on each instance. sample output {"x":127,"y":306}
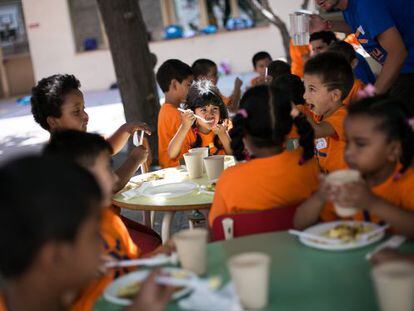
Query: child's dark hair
{"x":201,"y":67}
{"x":48,"y":96}
{"x":170,"y":70}
{"x":259,"y":56}
{"x":334,"y":71}
{"x":326,"y":36}
{"x":83,"y":148}
{"x":285,"y":90}
{"x":203,"y":93}
{"x":392,"y":122}
{"x":58,"y":197}
{"x":278,"y":68}
{"x":343,"y":48}
{"x":293,"y":88}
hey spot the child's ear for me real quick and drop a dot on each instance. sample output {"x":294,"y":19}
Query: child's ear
{"x":49,"y":256}
{"x":52,"y":122}
{"x":395,"y":151}
{"x":336,"y":95}
{"x":174,"y":84}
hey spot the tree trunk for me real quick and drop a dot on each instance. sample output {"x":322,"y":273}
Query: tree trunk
{"x":264,"y":9}
{"x":128,"y":39}
{"x":305,"y":5}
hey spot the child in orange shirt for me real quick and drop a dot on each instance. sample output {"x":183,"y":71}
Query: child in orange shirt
{"x":58,"y":104}
{"x":49,"y":236}
{"x":380,"y":146}
{"x":345,"y":49}
{"x":261,"y":61}
{"x":328,"y":80}
{"x":203,"y":100}
{"x":273,"y":177}
{"x":174,"y":77}
{"x":207,"y":69}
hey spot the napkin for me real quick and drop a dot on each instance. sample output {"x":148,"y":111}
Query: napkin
{"x":127,"y":195}
{"x":203,"y":298}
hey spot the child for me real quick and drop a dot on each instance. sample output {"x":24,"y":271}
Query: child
{"x":49,"y":237}
{"x":278,"y":68}
{"x":320,"y":41}
{"x":92,"y":152}
{"x":58,"y":104}
{"x":328,"y":80}
{"x":207,"y":69}
{"x":261,"y":61}
{"x":174,"y":77}
{"x":273,"y":177}
{"x":380,"y":145}
{"x":203,"y":100}
{"x":345,"y":49}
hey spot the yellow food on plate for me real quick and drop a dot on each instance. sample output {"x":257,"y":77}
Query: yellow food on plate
{"x":153,"y":177}
{"x":211,"y":187}
{"x":347,"y":233}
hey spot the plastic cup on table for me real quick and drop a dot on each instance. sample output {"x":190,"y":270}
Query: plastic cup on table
{"x":203,"y":150}
{"x":194,"y":164}
{"x":191,"y":247}
{"x":394,"y":285}
{"x":214,"y":166}
{"x":250,"y":274}
{"x":340,"y":178}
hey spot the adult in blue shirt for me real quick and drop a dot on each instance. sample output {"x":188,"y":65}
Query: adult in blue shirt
{"x":385,"y":30}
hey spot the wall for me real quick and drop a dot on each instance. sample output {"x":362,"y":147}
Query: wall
{"x":53,"y":48}
{"x":19,"y":74}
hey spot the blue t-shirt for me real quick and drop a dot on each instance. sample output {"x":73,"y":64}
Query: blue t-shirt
{"x":369,"y":18}
{"x":362,"y":71}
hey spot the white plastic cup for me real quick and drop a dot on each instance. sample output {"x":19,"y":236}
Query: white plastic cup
{"x":214,"y":166}
{"x":340,"y":178}
{"x":394,"y":284}
{"x":194,"y":164}
{"x":228,"y":226}
{"x":192,"y":249}
{"x":250,"y":274}
{"x":203,"y":150}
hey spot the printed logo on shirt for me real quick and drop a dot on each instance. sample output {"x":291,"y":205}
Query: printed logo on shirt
{"x":321,"y":143}
{"x":371,"y":45}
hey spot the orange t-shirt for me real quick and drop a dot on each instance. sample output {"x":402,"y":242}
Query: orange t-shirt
{"x":265,"y":183}
{"x":2,"y":303}
{"x":169,"y":120}
{"x":397,"y":191}
{"x":118,"y":244}
{"x":330,"y":150}
{"x":297,"y":53}
{"x":358,"y":85}
{"x":207,"y":140}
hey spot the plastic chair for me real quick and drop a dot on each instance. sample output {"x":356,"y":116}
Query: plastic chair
{"x":277,"y":219}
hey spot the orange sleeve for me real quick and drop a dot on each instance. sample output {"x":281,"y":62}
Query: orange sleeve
{"x":169,"y":121}
{"x":2,"y":303}
{"x":337,"y":122}
{"x":352,"y":96}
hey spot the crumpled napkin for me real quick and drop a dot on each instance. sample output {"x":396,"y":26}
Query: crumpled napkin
{"x":203,"y":299}
{"x":127,"y":195}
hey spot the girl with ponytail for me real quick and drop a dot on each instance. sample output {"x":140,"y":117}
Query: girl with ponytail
{"x":203,"y":100}
{"x":270,"y":176}
{"x":380,"y":145}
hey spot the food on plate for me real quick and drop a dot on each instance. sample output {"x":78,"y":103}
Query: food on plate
{"x":211,"y":187}
{"x":153,"y":177}
{"x":347,"y":232}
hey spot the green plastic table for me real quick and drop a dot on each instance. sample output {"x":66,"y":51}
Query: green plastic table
{"x":301,"y":278}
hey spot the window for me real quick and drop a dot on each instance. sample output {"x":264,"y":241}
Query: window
{"x":13,"y":37}
{"x":87,"y":25}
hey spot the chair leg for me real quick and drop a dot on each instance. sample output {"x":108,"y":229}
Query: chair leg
{"x":152,"y":219}
{"x":147,"y":219}
{"x":196,"y":219}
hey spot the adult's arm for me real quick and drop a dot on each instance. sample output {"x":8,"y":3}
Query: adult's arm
{"x":393,"y":44}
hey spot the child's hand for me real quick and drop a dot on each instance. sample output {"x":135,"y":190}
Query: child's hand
{"x":220,"y":130}
{"x":151,"y":296}
{"x":187,"y":119}
{"x":228,"y":124}
{"x":132,"y":127}
{"x":238,"y":83}
{"x":324,"y":191}
{"x":167,"y":249}
{"x":140,"y":154}
{"x":356,"y":194}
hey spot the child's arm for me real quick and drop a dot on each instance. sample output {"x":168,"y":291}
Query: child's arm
{"x":121,"y":136}
{"x":221,"y":131}
{"x":174,"y":148}
{"x":323,"y":129}
{"x":136,"y":157}
{"x":309,"y":211}
{"x":358,"y":194}
{"x":236,"y":95}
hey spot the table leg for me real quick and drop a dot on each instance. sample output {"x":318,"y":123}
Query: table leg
{"x":147,"y":218}
{"x":166,"y":226}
